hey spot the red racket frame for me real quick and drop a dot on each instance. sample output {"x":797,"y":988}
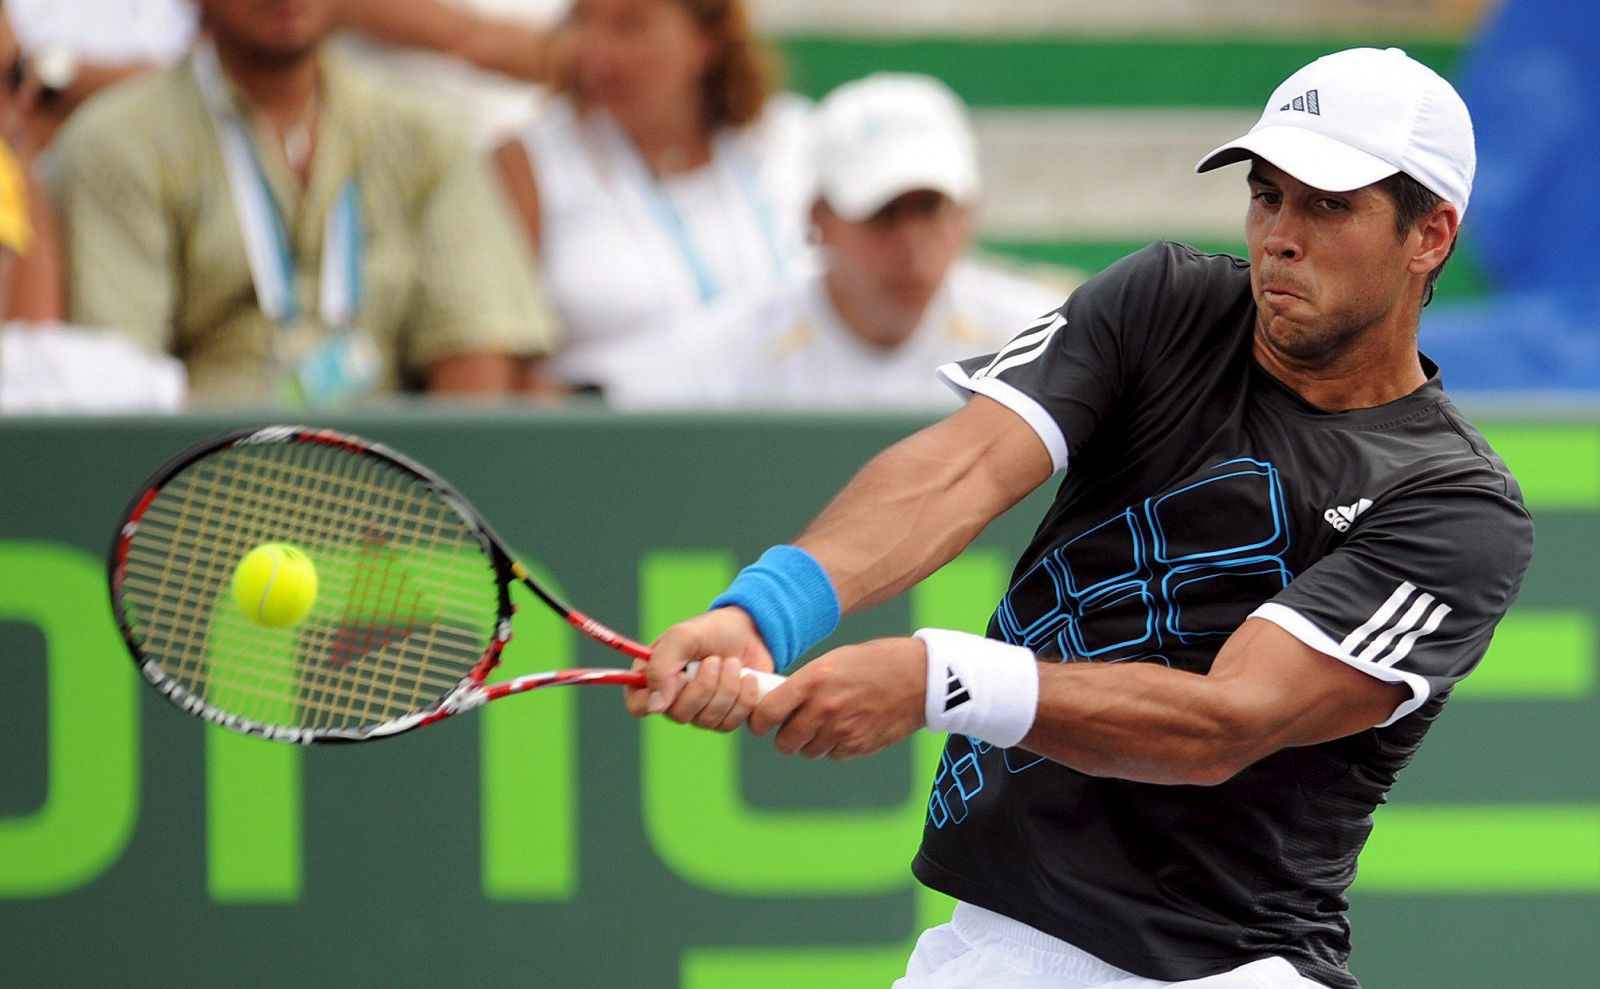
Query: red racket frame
{"x":471,"y":692}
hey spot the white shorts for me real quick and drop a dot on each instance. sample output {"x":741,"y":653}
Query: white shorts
{"x":982,"y":948}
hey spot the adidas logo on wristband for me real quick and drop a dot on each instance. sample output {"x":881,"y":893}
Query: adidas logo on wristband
{"x":954,"y":693}
{"x":979,"y":687}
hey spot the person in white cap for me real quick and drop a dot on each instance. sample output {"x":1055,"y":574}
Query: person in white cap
{"x":1276,"y":549}
{"x":896,"y":297}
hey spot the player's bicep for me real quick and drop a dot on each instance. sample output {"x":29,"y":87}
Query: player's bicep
{"x":1290,"y":694}
{"x":1005,"y":453}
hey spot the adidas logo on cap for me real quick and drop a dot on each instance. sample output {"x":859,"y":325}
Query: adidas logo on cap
{"x":1307,"y":103}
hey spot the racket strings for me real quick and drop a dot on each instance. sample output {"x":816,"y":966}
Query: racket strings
{"x":405,"y":608}
{"x":207,"y":517}
{"x":309,"y":508}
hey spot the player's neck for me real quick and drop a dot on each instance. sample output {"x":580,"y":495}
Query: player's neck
{"x":281,"y":88}
{"x":1378,"y":366}
{"x":873,"y":322}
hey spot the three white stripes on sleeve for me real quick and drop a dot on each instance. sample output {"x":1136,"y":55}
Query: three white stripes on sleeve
{"x":1024,"y":348}
{"x":1391,"y":639}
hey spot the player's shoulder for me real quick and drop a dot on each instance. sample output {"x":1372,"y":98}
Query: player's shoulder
{"x":1165,"y":296}
{"x":1153,"y":278}
{"x":1463,"y":456}
{"x":1432,"y":470}
{"x":1170,"y":266}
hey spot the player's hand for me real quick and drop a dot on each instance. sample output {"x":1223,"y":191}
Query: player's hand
{"x":850,"y":702}
{"x":724,"y":642}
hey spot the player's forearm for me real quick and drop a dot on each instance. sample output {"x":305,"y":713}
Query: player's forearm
{"x":891,"y":526}
{"x":1144,"y":722}
{"x":908,"y":512}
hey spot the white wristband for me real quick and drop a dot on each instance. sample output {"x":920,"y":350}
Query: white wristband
{"x":979,"y":687}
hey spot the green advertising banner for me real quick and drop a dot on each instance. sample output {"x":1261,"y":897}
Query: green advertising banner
{"x":551,"y":840}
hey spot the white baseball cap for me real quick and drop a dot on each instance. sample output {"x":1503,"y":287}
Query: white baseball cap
{"x":888,"y":134}
{"x":1358,"y":116}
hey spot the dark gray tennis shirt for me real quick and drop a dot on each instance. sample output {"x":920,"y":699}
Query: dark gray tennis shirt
{"x":1201,"y":492}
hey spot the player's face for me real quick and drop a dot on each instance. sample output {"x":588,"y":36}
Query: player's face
{"x":898,"y":256}
{"x":632,"y":56}
{"x":285,"y":30}
{"x":1324,"y":266}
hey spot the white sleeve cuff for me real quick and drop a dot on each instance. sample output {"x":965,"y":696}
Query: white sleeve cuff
{"x":979,"y":687}
{"x":1031,"y":411}
{"x":1306,"y":631}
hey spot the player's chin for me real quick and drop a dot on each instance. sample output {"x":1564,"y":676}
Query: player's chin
{"x":1298,"y":338}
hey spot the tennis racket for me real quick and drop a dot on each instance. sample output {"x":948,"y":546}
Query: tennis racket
{"x":413,"y":606}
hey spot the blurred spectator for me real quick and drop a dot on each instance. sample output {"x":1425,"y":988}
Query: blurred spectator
{"x":663,"y":178}
{"x":46,"y":367}
{"x":78,"y":47}
{"x":106,"y":32}
{"x":898,"y":179}
{"x":501,"y":36}
{"x":75,"y":48}
{"x":289,"y":228}
{"x":50,"y":369}
{"x":31,"y":281}
{"x":1532,"y":82}
{"x":487,"y":60}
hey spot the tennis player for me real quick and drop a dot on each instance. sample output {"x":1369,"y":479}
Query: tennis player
{"x":1276,"y":548}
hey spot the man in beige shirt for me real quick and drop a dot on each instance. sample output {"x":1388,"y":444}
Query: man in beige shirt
{"x":291,"y":229}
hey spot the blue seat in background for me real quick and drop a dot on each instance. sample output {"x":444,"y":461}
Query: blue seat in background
{"x":1532,"y":83}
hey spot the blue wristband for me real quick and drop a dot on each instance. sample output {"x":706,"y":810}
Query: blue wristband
{"x":789,"y":597}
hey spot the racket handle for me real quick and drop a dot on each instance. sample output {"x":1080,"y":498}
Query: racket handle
{"x":766,"y":681}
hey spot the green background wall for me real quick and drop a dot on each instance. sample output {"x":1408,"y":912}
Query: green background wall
{"x":551,"y":840}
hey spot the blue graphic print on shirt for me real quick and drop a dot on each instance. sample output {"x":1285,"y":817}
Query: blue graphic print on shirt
{"x":1177,"y":569}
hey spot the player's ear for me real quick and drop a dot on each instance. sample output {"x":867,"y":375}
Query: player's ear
{"x":1438,"y":231}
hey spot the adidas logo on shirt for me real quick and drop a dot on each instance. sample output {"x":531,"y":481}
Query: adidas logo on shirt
{"x":1306,"y":103}
{"x":1340,"y":516}
{"x":955,"y":694}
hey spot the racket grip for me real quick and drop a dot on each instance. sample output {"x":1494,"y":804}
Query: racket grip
{"x":766,"y":681}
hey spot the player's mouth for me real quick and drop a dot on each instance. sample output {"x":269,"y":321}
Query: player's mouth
{"x":1279,"y":296}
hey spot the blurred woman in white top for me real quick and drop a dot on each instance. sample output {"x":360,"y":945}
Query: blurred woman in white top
{"x":664,"y":177}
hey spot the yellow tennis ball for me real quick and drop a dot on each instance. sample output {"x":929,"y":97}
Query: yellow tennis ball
{"x":275,"y":585}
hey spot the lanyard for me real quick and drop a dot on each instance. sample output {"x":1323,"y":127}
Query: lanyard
{"x":727,"y":156}
{"x":266,"y":234}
